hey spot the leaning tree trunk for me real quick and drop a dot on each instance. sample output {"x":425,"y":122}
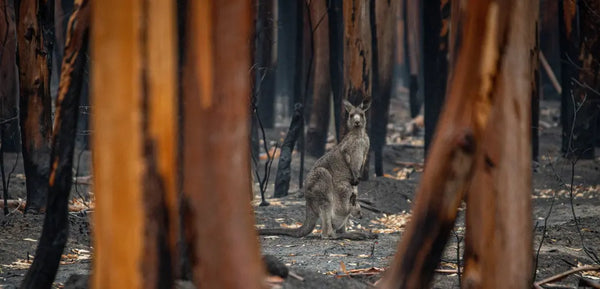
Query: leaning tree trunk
{"x":436,"y":15}
{"x":580,"y":53}
{"x":34,"y":27}
{"x":8,"y":87}
{"x":218,"y":218}
{"x":383,"y":22}
{"x":134,"y":75}
{"x":316,"y":135}
{"x":56,"y":223}
{"x":483,"y":139}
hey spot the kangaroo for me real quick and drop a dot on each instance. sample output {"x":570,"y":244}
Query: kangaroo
{"x":330,"y":186}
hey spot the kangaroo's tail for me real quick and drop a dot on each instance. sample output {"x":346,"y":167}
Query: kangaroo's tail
{"x":306,"y":228}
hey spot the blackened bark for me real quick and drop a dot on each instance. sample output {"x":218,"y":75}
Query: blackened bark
{"x":56,"y":226}
{"x":8,"y":79}
{"x":435,"y":70}
{"x":35,"y":43}
{"x":282,"y":180}
{"x":286,"y":50}
{"x":264,"y":62}
{"x":336,"y":63}
{"x":580,"y":48}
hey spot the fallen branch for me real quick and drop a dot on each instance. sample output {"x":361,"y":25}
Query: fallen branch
{"x":550,"y":73}
{"x":588,"y":283}
{"x":372,"y":208}
{"x":565,"y":274}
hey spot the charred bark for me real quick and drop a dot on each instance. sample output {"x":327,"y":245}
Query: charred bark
{"x":284,"y":172}
{"x":35,"y":39}
{"x":9,"y":120}
{"x":580,"y":51}
{"x":412,"y":15}
{"x":265,"y":62}
{"x":287,"y":51}
{"x":436,"y":16}
{"x":56,"y":224}
{"x":336,"y":60}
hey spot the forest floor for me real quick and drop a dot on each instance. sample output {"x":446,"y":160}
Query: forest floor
{"x":356,"y":264}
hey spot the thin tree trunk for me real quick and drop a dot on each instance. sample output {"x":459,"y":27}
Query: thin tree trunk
{"x":218,"y":218}
{"x":486,"y":127}
{"x":35,"y":62}
{"x":136,"y":217}
{"x":286,"y":52}
{"x":383,"y":22}
{"x":436,"y":16}
{"x":284,"y":170}
{"x":316,"y":136}
{"x":413,"y":53}
{"x":56,"y":224}
{"x":336,"y":60}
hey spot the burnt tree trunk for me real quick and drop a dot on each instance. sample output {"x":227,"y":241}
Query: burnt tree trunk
{"x":218,"y":218}
{"x":56,"y":224}
{"x":486,"y":143}
{"x":316,"y":135}
{"x":436,"y":14}
{"x":580,"y":52}
{"x":358,"y":83}
{"x":134,"y":157}
{"x":9,"y":85}
{"x":412,"y":16}
{"x":284,"y":170}
{"x":286,"y":52}
{"x":34,"y":27}
{"x":383,"y":22}
{"x":264,"y":62}
{"x":336,"y":60}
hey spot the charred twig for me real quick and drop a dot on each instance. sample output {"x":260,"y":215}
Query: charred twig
{"x":588,"y":283}
{"x":537,"y":254}
{"x":372,"y":208}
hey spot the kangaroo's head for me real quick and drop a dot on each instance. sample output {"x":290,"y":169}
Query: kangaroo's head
{"x":356,"y":114}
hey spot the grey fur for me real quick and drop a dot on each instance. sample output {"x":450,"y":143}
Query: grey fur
{"x":330,"y":186}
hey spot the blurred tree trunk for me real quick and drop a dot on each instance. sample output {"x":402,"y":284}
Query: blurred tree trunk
{"x":486,"y":143}
{"x":218,"y":218}
{"x":580,"y":52}
{"x":136,"y":219}
{"x":56,"y":224}
{"x":412,"y":16}
{"x":286,"y":52}
{"x":35,"y":38}
{"x":265,"y":61}
{"x":336,"y":60}
{"x":436,"y":23}
{"x":316,"y":136}
{"x":9,"y":85}
{"x":8,"y":88}
{"x":383,"y":22}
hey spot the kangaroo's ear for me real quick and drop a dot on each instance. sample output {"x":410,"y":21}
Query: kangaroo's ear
{"x":348,"y":106}
{"x":365,"y":105}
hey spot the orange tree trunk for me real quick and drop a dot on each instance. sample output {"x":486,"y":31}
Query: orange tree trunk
{"x":135,"y":222}
{"x":483,"y":135}
{"x":55,"y":231}
{"x":217,"y":215}
{"x":34,"y":56}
